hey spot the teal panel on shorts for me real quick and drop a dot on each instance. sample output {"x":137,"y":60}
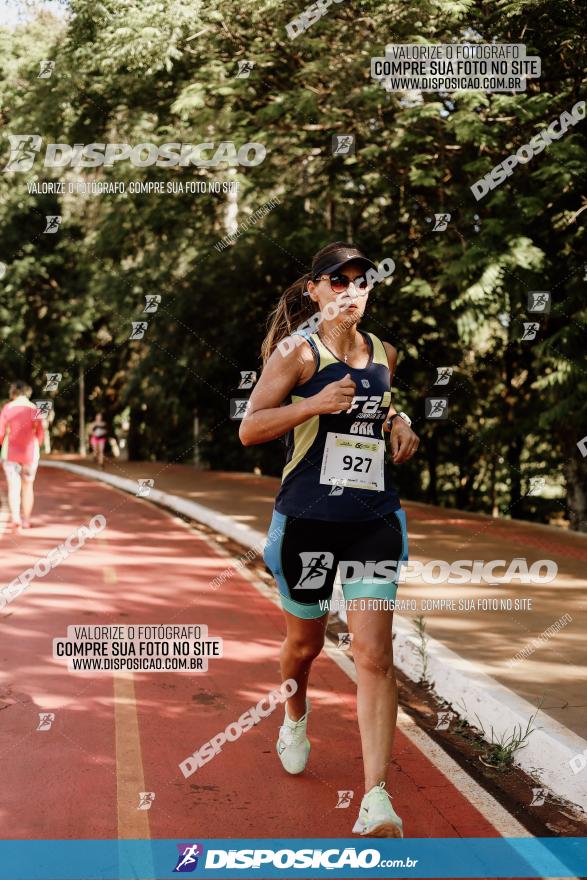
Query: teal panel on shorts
{"x":367,"y":590}
{"x":306,"y":612}
{"x":383,"y":589}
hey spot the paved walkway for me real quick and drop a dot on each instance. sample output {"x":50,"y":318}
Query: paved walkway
{"x":554,"y":673}
{"x":115,"y":735}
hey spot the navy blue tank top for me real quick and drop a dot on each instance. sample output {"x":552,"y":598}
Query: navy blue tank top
{"x":302,"y":493}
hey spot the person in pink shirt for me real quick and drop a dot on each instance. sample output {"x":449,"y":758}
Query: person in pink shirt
{"x":98,"y":436}
{"x":21,"y":434}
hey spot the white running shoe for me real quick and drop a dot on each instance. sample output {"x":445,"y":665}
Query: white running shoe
{"x":293,"y":746}
{"x":377,"y":818}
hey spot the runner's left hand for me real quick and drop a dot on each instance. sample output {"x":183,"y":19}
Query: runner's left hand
{"x":404,"y":442}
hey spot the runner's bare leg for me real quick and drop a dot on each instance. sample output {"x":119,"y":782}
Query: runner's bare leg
{"x":14,"y":482}
{"x":28,"y":498}
{"x":303,"y":643}
{"x":376,"y":689}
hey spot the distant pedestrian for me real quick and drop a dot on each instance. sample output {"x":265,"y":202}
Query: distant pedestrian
{"x":98,"y":437}
{"x":21,"y":435}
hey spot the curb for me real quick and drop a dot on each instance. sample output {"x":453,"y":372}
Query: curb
{"x":460,"y":682}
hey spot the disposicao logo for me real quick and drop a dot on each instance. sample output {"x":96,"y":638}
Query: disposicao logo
{"x":24,"y":149}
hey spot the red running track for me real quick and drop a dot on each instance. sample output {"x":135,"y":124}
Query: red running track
{"x":115,"y":735}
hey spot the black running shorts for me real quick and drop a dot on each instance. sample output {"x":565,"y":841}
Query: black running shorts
{"x":305,"y":555}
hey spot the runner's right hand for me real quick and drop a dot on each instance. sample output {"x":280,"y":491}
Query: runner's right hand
{"x":335,"y":397}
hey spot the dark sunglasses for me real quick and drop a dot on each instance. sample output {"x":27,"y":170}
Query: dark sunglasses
{"x":339,"y":282}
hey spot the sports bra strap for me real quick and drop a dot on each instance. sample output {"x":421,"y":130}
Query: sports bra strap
{"x":307,"y":335}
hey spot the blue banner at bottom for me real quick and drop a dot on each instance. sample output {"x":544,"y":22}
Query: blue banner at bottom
{"x":304,"y":858}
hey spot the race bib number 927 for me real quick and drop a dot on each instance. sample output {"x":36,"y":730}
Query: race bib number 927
{"x":356,"y":462}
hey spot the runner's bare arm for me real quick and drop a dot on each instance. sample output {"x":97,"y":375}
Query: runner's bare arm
{"x":403,"y":441}
{"x":267,"y":419}
{"x":391,"y":353}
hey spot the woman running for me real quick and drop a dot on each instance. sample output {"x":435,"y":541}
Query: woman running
{"x":327,"y":388}
{"x":21,"y":435}
{"x":98,"y":435}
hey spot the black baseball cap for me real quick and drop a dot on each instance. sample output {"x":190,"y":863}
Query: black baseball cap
{"x":333,"y":260}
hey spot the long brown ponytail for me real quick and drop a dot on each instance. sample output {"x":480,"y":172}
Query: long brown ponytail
{"x":292,"y":310}
{"x":294,"y":306}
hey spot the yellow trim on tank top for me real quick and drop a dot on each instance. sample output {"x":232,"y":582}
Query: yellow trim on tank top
{"x":379,"y":353}
{"x":304,"y":436}
{"x":327,"y":358}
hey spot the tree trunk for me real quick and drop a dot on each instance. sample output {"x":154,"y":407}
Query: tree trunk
{"x":492,"y":487}
{"x":82,"y":412}
{"x":134,"y":437}
{"x":432,"y":451}
{"x":576,"y":484}
{"x":515,"y":443}
{"x":513,"y":454}
{"x":465,"y":481}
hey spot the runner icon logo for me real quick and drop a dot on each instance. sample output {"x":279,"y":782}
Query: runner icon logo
{"x":146,"y":799}
{"x":444,"y":375}
{"x":46,"y":68}
{"x":46,"y":719}
{"x":248,"y":379}
{"x":43,"y":408}
{"x":538,"y":797}
{"x":530,"y":330}
{"x":138,"y":329}
{"x":441,"y":222}
{"x":344,"y":799}
{"x":52,"y":223}
{"x":539,"y":301}
{"x":343,"y":145}
{"x":152,"y":302}
{"x":187,"y":861}
{"x":23,"y":151}
{"x":436,"y":408}
{"x":239,"y":408}
{"x":53,"y":380}
{"x":316,"y":566}
{"x":244,"y":69}
{"x":444,"y":719}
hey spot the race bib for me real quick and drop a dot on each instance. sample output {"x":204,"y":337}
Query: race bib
{"x":351,"y":461}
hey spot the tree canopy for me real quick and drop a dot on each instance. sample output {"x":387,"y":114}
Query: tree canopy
{"x":135,"y":72}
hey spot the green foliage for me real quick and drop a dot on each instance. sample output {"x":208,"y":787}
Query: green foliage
{"x":138,"y":71}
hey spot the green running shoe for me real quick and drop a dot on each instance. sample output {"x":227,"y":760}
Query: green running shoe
{"x":293,"y":746}
{"x":377,"y":818}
